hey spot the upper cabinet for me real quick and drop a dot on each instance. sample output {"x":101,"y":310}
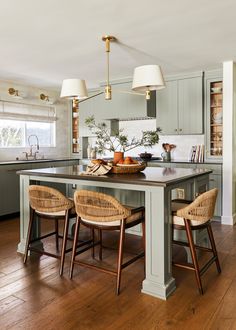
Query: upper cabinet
{"x":180,"y":105}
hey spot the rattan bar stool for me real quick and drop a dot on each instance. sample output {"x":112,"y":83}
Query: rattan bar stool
{"x":193,"y":216}
{"x":103,"y":212}
{"x":49,"y":203}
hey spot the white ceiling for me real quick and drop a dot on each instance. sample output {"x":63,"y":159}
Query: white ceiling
{"x":43,"y":42}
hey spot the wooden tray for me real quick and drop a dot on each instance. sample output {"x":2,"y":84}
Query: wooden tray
{"x":128,"y":169}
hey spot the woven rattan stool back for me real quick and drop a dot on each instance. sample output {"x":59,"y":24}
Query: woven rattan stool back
{"x":202,"y":208}
{"x":46,"y":199}
{"x":97,"y":206}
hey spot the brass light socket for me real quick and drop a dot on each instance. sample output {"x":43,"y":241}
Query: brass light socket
{"x":108,"y":92}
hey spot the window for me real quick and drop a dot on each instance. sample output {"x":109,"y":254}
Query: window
{"x":18,"y":121}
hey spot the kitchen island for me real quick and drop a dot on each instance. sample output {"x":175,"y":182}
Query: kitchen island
{"x":155,"y":183}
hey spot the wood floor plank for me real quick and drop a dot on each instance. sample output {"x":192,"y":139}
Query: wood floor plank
{"x":9,"y":303}
{"x":36,"y":297}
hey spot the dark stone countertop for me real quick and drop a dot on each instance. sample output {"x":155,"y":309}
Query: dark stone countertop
{"x":154,"y":176}
{"x":45,"y":160}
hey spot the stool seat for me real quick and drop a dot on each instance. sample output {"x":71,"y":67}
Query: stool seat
{"x":135,"y":216}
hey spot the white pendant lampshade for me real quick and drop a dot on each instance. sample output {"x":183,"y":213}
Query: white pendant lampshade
{"x":147,"y":78}
{"x":74,"y":88}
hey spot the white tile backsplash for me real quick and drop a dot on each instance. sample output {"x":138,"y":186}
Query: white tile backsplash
{"x":183,"y":142}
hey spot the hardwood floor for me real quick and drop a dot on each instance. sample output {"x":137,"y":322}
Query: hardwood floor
{"x":36,"y":297}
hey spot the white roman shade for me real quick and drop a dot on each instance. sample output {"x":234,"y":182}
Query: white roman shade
{"x":27,"y":112}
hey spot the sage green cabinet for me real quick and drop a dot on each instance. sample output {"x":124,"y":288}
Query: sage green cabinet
{"x":10,"y":187}
{"x":180,"y":106}
{"x":215,"y":179}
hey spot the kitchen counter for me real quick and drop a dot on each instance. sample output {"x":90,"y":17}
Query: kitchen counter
{"x":181,"y":161}
{"x":155,"y":183}
{"x":178,"y":161}
{"x":17,"y":162}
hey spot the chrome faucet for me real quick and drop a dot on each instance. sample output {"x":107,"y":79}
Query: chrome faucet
{"x":31,"y":154}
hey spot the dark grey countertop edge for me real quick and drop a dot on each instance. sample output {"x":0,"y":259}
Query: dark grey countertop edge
{"x":16,"y":162}
{"x":113,"y":178}
{"x":173,"y":161}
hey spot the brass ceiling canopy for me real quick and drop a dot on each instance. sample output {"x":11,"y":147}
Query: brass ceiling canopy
{"x":107,"y":40}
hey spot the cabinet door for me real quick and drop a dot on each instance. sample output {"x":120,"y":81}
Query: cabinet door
{"x":167,"y":108}
{"x":216,"y":182}
{"x":190,"y":106}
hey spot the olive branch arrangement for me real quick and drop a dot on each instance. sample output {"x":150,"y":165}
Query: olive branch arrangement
{"x":118,"y":141}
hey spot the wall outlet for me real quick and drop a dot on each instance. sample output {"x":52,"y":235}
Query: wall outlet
{"x":180,"y":193}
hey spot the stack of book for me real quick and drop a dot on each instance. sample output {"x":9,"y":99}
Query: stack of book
{"x":197,"y":154}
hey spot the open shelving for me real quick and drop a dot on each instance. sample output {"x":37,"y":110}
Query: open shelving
{"x":75,"y":126}
{"x":216,"y":119}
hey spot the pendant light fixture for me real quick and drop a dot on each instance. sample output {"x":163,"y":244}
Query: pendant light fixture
{"x":148,"y":78}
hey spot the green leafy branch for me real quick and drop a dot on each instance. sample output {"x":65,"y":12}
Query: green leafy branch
{"x":119,"y":141}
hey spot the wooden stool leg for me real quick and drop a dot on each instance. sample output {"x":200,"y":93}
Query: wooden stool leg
{"x":56,"y":230}
{"x":211,"y":237}
{"x":193,"y":254}
{"x":75,"y":242}
{"x":64,"y":241}
{"x":120,"y":256}
{"x":100,"y":243}
{"x":29,"y":234}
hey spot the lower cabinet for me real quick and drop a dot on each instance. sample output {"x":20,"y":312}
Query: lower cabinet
{"x":10,"y":183}
{"x":215,"y":180}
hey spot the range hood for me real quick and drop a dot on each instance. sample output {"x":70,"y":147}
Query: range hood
{"x":148,"y":111}
{"x":127,"y":105}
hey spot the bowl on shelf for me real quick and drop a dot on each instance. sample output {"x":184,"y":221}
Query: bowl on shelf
{"x":145,"y":155}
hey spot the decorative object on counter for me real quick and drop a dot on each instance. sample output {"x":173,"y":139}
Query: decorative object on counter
{"x":118,"y":155}
{"x":119,"y":142}
{"x":197,"y":153}
{"x":97,"y":169}
{"x":93,"y":153}
{"x":89,"y":151}
{"x":128,"y":169}
{"x":145,"y":155}
{"x":166,"y":155}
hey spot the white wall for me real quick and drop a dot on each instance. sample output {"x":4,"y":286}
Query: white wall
{"x":62,"y":148}
{"x":229,"y":143}
{"x":183,"y":142}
